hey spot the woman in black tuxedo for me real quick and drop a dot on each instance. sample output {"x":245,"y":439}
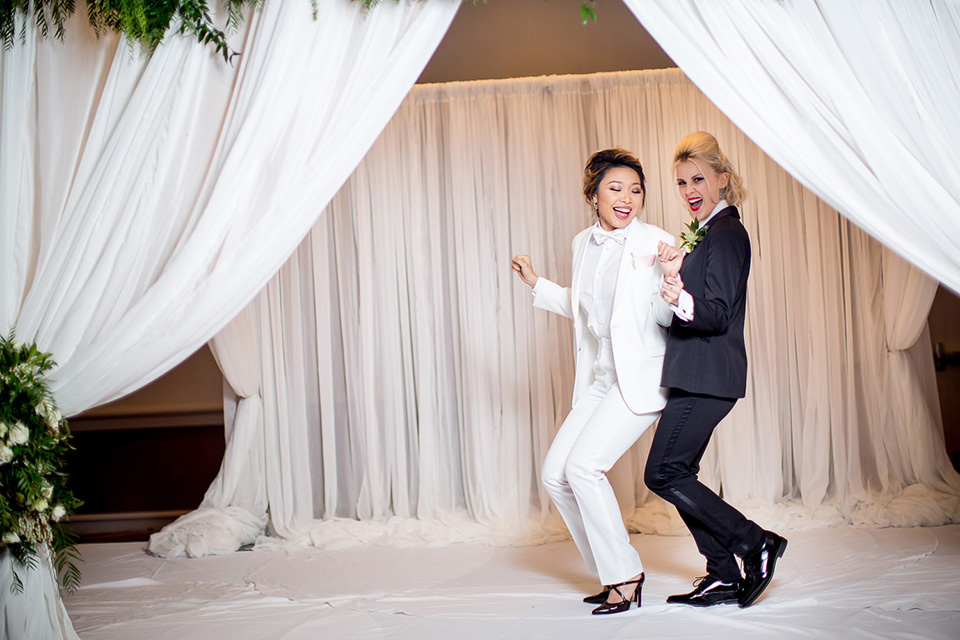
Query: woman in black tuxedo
{"x":705,"y":369}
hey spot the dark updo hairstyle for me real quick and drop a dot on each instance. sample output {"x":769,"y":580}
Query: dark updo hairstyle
{"x":601,"y":162}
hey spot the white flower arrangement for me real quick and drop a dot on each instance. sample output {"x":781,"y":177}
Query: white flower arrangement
{"x":34,"y":439}
{"x":18,"y":435}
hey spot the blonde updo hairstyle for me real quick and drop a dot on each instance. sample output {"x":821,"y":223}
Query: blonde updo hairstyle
{"x":602,"y":161}
{"x":702,"y":147}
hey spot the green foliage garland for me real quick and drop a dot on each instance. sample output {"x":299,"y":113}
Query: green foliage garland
{"x":146,"y":22}
{"x":34,"y":438}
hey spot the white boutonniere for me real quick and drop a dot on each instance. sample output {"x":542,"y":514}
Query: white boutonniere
{"x":692,"y":236}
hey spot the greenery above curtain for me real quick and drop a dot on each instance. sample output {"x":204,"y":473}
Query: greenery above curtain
{"x":146,"y":22}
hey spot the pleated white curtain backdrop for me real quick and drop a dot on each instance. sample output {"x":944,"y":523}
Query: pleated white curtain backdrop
{"x":410,"y":390}
{"x":146,"y":200}
{"x":855,"y":98}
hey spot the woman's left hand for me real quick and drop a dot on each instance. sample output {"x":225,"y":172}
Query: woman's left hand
{"x":670,"y":289}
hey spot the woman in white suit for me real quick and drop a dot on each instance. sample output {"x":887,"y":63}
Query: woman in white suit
{"x":619,"y":321}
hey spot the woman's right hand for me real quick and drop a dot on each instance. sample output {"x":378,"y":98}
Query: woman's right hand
{"x":671,"y":259}
{"x":521,"y":264}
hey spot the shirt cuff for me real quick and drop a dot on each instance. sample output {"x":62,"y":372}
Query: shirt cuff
{"x":684,"y":307}
{"x":534,"y":290}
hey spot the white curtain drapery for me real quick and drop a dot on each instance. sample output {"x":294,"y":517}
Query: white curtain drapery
{"x":233,"y":512}
{"x":416,"y":390}
{"x":36,"y":611}
{"x":854,"y":98}
{"x":145,"y":200}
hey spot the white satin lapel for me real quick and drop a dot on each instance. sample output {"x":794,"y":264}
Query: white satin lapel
{"x":579,"y":252}
{"x":631,"y":249}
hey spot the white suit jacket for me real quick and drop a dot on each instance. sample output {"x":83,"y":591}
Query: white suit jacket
{"x":637,"y":321}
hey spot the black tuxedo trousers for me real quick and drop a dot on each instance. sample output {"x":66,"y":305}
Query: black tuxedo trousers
{"x":720,"y":531}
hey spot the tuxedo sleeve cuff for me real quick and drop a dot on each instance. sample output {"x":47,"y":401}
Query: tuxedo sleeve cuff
{"x":684,"y":307}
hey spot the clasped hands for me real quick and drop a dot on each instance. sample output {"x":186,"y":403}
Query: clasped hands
{"x":670,"y":260}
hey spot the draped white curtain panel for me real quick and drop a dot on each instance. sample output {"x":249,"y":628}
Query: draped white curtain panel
{"x":409,"y":390}
{"x":857,"y":99}
{"x":145,"y":200}
{"x":37,"y":611}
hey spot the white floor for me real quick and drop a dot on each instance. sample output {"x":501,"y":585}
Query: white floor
{"x":833,"y":583}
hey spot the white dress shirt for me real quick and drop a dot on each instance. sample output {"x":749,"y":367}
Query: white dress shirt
{"x":601,"y":266}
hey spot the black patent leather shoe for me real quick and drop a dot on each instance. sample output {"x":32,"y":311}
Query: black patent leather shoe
{"x":710,"y":590}
{"x":758,"y":568}
{"x":599,"y":598}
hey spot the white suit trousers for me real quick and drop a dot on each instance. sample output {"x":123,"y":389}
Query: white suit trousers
{"x":598,"y":430}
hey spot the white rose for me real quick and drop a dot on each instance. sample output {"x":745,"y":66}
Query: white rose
{"x":6,"y":454}
{"x":19,"y":434}
{"x":10,"y":538}
{"x":58,"y":512}
{"x":47,"y":491}
{"x":41,"y":505}
{"x":3,"y":429}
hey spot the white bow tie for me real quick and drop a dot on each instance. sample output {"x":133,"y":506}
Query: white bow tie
{"x":617,"y":235}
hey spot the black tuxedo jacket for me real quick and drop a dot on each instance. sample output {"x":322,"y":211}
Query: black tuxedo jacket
{"x":707,"y":355}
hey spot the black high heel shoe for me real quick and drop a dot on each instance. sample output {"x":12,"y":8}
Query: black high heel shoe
{"x":624,"y":604}
{"x":599,"y":598}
